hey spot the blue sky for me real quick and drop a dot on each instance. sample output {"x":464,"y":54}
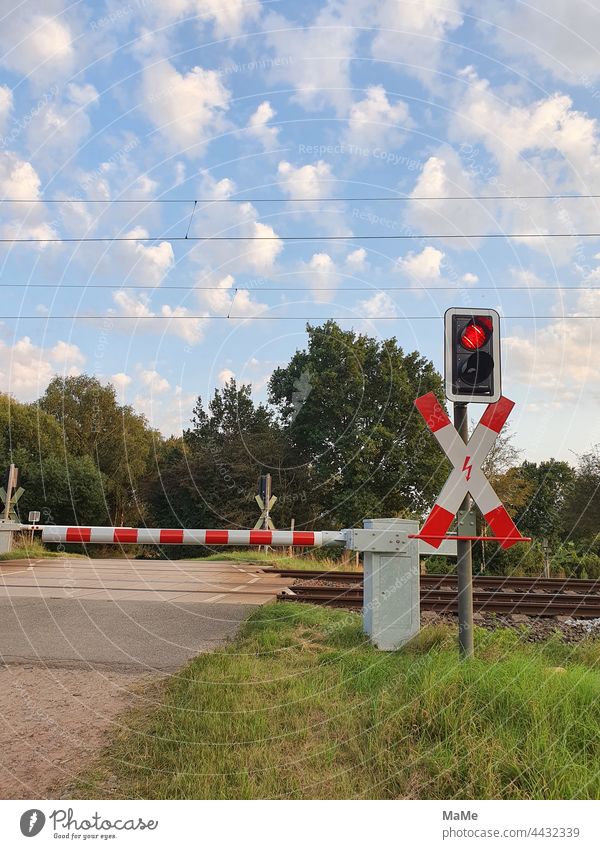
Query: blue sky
{"x":215,"y":100}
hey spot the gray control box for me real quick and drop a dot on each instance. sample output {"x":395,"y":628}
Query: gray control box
{"x":391,"y":612}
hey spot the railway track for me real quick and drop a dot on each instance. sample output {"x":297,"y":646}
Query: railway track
{"x":544,"y":597}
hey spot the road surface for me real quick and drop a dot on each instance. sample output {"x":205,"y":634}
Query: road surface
{"x":149,"y":614}
{"x":81,"y":640}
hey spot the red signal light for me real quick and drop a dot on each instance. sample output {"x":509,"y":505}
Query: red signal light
{"x":475,"y":334}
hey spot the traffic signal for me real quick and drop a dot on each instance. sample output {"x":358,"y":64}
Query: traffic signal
{"x":472,"y":355}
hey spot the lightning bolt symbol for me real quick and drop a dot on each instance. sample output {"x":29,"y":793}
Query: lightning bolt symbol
{"x":467,"y":467}
{"x":32,"y":820}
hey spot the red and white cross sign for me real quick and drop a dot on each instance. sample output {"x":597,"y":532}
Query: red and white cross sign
{"x":467,"y":475}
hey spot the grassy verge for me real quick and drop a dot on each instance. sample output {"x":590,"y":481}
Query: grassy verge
{"x":299,"y":706}
{"x":281,"y":561}
{"x":27,"y":550}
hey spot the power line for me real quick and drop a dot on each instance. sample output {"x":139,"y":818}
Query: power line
{"x":353,"y":317}
{"x":376,"y":199}
{"x":176,"y":288}
{"x":394,"y":236}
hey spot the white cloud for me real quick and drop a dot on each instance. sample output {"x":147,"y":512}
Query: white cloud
{"x":169,"y":412}
{"x":219,"y":258}
{"x":424,"y":266}
{"x":188,"y":328}
{"x":258,"y":126}
{"x":431,"y":267}
{"x":153,"y":381}
{"x":36,"y":45}
{"x":380,"y":304}
{"x":177,"y":321}
{"x":227,"y":299}
{"x":309,"y":181}
{"x":148,"y":263}
{"x":187,"y":109}
{"x":121,"y":381}
{"x":444,"y":176}
{"x":26,"y":369}
{"x":415,"y":35}
{"x":315,"y":59}
{"x":535,"y":148}
{"x":509,"y":129}
{"x":61,"y":126}
{"x":375,"y":120}
{"x":261,"y":255}
{"x":18,"y":178}
{"x":559,"y":359}
{"x":556,"y":36}
{"x":225,"y":375}
{"x":322,"y":276}
{"x":6,"y":105}
{"x":144,"y":187}
{"x":229,"y":17}
{"x":357,"y":260}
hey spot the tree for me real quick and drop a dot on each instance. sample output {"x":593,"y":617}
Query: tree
{"x":211,"y":478}
{"x":346,"y":404}
{"x":66,"y":489}
{"x":550,"y":482}
{"x":582,"y":513}
{"x":119,"y":440}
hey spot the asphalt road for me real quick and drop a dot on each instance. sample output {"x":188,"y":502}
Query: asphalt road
{"x":146,"y":616}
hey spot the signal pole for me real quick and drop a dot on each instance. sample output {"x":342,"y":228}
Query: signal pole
{"x":464,"y":559}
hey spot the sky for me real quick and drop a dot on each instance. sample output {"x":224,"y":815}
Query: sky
{"x":151,"y":121}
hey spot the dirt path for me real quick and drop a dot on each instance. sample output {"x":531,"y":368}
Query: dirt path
{"x":53,"y":719}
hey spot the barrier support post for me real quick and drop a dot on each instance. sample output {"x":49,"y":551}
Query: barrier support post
{"x":391,"y":611}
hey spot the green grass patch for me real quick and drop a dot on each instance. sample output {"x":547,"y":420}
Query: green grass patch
{"x":27,"y":550}
{"x":281,"y":561}
{"x":301,"y":706}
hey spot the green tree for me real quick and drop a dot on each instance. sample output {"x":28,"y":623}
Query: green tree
{"x":583,"y":504}
{"x":550,"y":483}
{"x":346,"y":403}
{"x":66,"y":489}
{"x":210,"y":478}
{"x":118,"y":439}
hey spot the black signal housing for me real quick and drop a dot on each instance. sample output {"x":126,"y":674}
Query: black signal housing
{"x":472,"y":355}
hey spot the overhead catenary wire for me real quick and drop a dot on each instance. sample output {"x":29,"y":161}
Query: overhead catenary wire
{"x":353,"y":316}
{"x":564,"y":287}
{"x":373,"y":199}
{"x":276,"y":238}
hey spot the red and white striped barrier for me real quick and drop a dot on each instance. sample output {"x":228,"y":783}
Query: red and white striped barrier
{"x":467,"y":475}
{"x":180,"y":536}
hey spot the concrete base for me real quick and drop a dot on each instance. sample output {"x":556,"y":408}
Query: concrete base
{"x":6,"y":532}
{"x":391,"y":613}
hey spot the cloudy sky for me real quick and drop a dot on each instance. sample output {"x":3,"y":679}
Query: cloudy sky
{"x":151,"y":117}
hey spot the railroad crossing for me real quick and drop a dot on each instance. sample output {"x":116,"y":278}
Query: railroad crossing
{"x":121,"y":579}
{"x":390,"y":546}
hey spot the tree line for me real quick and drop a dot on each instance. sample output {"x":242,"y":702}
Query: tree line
{"x":339,"y":435}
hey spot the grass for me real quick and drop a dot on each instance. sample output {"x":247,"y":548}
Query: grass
{"x":300,"y":706}
{"x":281,"y":561}
{"x":28,"y":550}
